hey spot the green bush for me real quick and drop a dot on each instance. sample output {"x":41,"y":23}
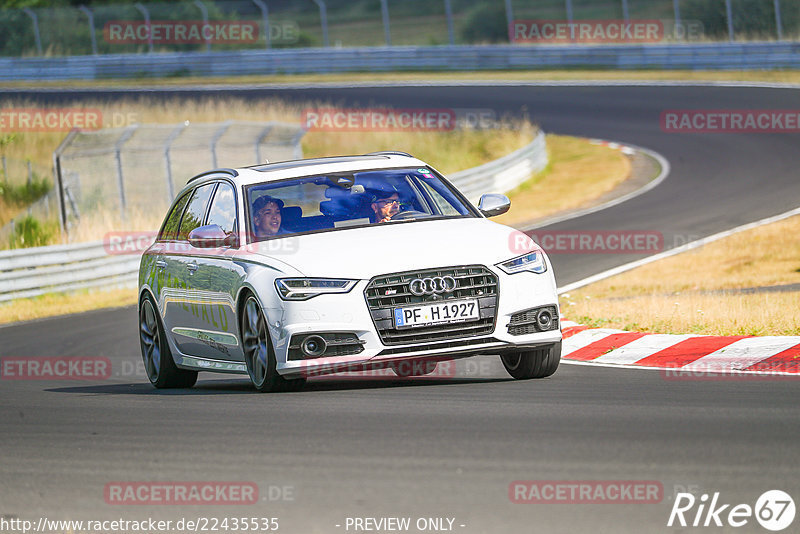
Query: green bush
{"x":29,"y":232}
{"x":485,"y":23}
{"x":27,"y":193}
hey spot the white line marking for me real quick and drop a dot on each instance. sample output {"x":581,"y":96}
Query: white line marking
{"x":641,"y":348}
{"x":587,"y":337}
{"x":744,"y":353}
{"x":665,"y":170}
{"x":677,"y":250}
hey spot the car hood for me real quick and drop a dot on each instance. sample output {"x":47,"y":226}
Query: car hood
{"x":394,"y":247}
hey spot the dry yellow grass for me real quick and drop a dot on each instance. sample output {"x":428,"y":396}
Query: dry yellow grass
{"x":446,"y":151}
{"x":686,"y":293}
{"x":578,"y":173}
{"x":777,"y":76}
{"x":62,"y":304}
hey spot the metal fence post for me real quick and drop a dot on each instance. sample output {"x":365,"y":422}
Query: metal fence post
{"x":265,"y":17}
{"x":36,"y":35}
{"x":204,"y":13}
{"x":729,"y":15}
{"x":778,"y":25}
{"x":213,"y":143}
{"x":168,"y":161}
{"x":5,"y":170}
{"x":323,"y":20}
{"x":676,"y":8}
{"x":59,"y":181}
{"x":625,"y":13}
{"x":569,"y":10}
{"x":143,"y":10}
{"x":448,"y":11}
{"x":120,"y":176}
{"x":262,"y":134}
{"x":385,"y":16}
{"x":90,"y":16}
{"x":30,"y":173}
{"x":298,"y":148}
{"x":509,"y":18}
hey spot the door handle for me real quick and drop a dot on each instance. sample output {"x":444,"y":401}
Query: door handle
{"x":161,"y":264}
{"x":192,"y":267}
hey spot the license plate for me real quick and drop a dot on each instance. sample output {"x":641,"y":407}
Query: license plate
{"x":439,"y":313}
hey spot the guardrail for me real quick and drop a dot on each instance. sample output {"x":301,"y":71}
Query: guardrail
{"x":30,"y":272}
{"x":722,"y":56}
{"x":36,"y":271}
{"x":504,"y":174}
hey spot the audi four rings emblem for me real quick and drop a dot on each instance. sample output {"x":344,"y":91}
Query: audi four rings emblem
{"x":435,"y":285}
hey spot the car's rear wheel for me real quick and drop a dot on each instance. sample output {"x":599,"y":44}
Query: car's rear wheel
{"x":537,"y":363}
{"x":259,"y":355}
{"x":158,"y":364}
{"x":409,"y":368}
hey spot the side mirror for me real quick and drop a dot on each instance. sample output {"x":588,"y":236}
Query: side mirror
{"x":210,"y":236}
{"x":492,"y":204}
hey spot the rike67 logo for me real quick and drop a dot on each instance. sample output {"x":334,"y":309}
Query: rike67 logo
{"x":774,"y":510}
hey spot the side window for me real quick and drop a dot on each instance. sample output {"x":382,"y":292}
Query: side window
{"x":173,"y":220}
{"x":195,"y":210}
{"x":444,"y":206}
{"x":223,"y":208}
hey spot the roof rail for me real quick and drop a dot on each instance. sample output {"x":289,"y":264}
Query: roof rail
{"x":389,"y":153}
{"x":230,"y":172}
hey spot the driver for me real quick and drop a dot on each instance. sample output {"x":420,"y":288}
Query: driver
{"x":267,"y":216}
{"x":385,"y":206}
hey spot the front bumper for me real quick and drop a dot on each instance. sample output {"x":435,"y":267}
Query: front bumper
{"x":349,"y":313}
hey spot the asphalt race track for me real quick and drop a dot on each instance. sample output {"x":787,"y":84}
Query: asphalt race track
{"x":437,"y":447}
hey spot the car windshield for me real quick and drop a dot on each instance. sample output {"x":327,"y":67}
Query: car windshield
{"x":347,"y":200}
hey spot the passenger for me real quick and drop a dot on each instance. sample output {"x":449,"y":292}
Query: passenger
{"x":267,"y":217}
{"x":385,"y":206}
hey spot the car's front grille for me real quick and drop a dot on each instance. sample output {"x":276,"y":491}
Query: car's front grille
{"x":387,"y":292}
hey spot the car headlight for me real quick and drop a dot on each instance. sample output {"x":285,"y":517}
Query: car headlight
{"x":306,"y":288}
{"x":532,"y":261}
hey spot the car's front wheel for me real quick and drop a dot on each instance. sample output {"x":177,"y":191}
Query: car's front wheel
{"x":161,"y":370}
{"x":259,"y":356}
{"x":536,"y":363}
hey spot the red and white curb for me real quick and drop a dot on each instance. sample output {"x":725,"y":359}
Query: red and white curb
{"x":774,"y":355}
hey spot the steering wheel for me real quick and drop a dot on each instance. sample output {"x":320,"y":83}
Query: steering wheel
{"x":409,"y":214}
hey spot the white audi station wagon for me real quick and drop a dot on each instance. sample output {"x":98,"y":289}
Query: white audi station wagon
{"x":301,"y":268}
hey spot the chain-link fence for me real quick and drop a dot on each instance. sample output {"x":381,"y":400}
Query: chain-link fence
{"x":204,"y":25}
{"x":135,"y":172}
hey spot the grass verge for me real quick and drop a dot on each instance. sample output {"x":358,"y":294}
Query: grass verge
{"x":777,"y":76}
{"x":705,"y":291}
{"x":578,"y":172}
{"x":63,"y":304}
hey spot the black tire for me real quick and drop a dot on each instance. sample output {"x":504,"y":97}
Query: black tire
{"x":537,"y":363}
{"x":158,"y":363}
{"x":259,"y":355}
{"x":407,"y":368}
